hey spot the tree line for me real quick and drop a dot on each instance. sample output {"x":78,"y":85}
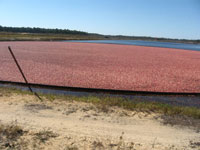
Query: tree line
{"x":40,"y":30}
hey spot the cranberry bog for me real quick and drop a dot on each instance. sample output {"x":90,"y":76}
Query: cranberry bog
{"x":102,"y":66}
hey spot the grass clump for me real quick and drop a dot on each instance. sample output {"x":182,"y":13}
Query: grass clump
{"x":9,"y":134}
{"x":44,"y":136}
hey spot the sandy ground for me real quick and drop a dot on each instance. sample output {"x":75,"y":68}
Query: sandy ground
{"x":77,"y":125}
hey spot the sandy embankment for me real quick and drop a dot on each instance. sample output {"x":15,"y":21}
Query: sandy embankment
{"x":79,"y":125}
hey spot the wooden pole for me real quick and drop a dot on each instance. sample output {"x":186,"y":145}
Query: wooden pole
{"x":20,"y":69}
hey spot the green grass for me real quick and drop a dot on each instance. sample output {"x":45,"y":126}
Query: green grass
{"x":139,"y":105}
{"x":105,"y":102}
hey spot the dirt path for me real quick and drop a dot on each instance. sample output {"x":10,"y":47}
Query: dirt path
{"x":84,"y":126}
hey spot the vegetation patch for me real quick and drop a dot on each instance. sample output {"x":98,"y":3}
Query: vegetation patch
{"x":36,"y":107}
{"x":137,"y":105}
{"x":15,"y":138}
{"x":195,"y":145}
{"x":44,"y":136}
{"x":9,"y":134}
{"x":10,"y":36}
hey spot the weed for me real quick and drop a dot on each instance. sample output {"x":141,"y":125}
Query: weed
{"x":71,"y":148}
{"x":11,"y":132}
{"x":9,"y":135}
{"x":195,"y":144}
{"x":44,"y":136}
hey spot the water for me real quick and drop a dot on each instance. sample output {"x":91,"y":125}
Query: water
{"x":192,"y":101}
{"x":195,"y":47}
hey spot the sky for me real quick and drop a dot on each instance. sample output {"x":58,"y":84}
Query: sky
{"x":157,"y":18}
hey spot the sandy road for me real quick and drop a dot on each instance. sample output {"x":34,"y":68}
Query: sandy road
{"x":84,"y":126}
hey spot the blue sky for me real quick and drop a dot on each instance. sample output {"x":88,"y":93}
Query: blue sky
{"x":157,"y":18}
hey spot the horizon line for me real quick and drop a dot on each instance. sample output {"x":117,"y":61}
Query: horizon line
{"x":146,"y":36}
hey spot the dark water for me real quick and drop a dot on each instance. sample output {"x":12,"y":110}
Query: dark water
{"x":195,"y":47}
{"x":191,"y":101}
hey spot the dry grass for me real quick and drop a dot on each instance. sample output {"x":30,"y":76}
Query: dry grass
{"x":13,"y":137}
{"x":9,"y":135}
{"x":45,"y":135}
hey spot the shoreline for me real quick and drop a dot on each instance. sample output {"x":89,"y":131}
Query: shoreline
{"x":177,"y":99}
